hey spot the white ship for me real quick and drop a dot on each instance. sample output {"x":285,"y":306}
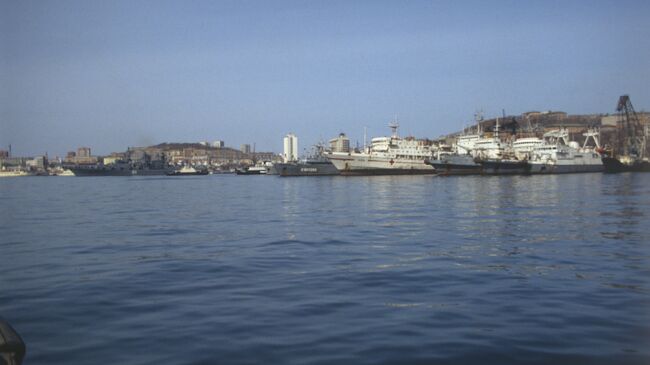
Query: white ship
{"x":386,"y":156}
{"x":4,"y":172}
{"x":559,"y":155}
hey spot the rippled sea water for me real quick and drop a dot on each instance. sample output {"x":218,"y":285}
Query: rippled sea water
{"x":227,"y":269}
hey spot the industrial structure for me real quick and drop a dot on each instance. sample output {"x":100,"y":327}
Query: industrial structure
{"x":630,"y":153}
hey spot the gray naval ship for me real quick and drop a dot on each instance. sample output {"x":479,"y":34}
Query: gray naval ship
{"x":136,"y":163}
{"x":314,"y":165}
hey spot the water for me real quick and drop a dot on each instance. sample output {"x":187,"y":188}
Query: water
{"x":377,"y":270}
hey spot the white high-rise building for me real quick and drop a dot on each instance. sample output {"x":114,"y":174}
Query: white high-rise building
{"x":290,"y":148}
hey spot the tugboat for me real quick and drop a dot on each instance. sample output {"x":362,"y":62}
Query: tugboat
{"x":633,"y":156}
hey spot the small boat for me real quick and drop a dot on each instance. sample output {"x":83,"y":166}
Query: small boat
{"x":188,"y":171}
{"x":253,"y":170}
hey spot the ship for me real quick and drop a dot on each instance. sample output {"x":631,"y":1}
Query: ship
{"x":559,"y":155}
{"x":457,"y":159}
{"x":510,"y":159}
{"x":386,"y":156}
{"x":455,"y":164}
{"x":314,"y":165}
{"x":137,"y":163}
{"x":554,"y":155}
{"x":118,"y":169}
{"x":612,"y":164}
{"x":14,"y":173}
{"x":467,"y":153}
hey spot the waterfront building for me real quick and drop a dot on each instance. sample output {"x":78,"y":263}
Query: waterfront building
{"x":340,"y":143}
{"x":290,"y":148}
{"x":218,"y":144}
{"x":245,"y":148}
{"x":83,"y":152}
{"x":37,"y":163}
{"x":82,"y":156}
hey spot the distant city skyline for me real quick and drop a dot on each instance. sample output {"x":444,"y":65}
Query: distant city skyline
{"x":109,"y":75}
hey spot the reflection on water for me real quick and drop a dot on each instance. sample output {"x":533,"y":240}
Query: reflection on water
{"x":382,"y":269}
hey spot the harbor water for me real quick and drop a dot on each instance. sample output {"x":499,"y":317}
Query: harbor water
{"x":226,"y":269}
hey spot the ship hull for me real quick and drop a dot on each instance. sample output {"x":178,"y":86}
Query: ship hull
{"x":448,"y":169}
{"x":505,"y":167}
{"x":14,"y":173}
{"x":117,"y":172}
{"x":357,"y":165}
{"x":540,"y":168}
{"x":250,"y":172}
{"x":178,"y":173}
{"x":455,"y":165}
{"x":614,"y":165}
{"x":306,"y":169}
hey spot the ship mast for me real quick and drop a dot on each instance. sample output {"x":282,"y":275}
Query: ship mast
{"x":478,"y":117}
{"x":393,"y":126}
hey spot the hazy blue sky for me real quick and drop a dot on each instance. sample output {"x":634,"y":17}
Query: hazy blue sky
{"x":112,"y":74}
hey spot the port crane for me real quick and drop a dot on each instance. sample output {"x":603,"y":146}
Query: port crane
{"x":632,"y":141}
{"x":631,"y":132}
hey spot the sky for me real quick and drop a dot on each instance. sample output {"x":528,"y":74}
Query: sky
{"x":114,"y":74}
